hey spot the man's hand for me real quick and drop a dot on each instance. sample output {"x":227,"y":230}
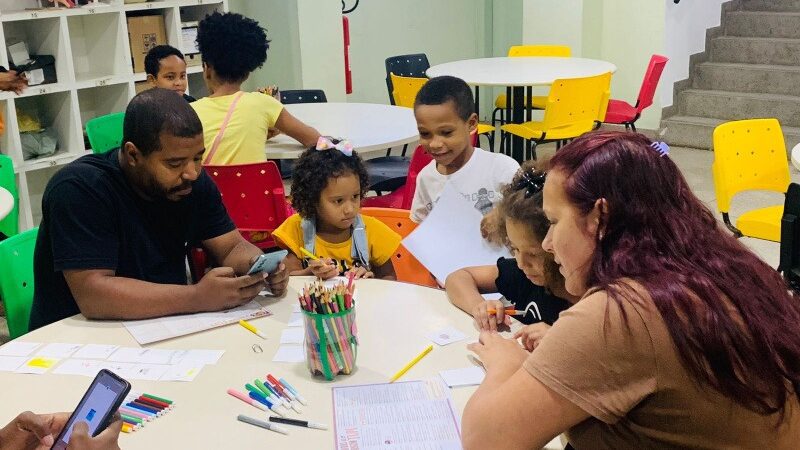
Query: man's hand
{"x":106,"y":440}
{"x":220,"y":288}
{"x":278,"y":281}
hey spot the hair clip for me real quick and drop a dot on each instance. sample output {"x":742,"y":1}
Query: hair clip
{"x":661,"y":147}
{"x":326,"y":143}
{"x":532,"y":182}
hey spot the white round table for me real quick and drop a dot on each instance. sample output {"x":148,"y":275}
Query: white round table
{"x":516,"y":74}
{"x":393,"y":319}
{"x":372,"y":128}
{"x":520,"y":71}
{"x":6,"y":203}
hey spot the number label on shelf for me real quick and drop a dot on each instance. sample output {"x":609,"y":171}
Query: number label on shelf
{"x":103,"y":82}
{"x":34,"y":15}
{"x":42,"y":90}
{"x":91,"y":10}
{"x":149,"y":5}
{"x":52,"y":163}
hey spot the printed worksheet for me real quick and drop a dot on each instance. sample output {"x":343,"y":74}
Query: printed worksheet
{"x":408,"y":415}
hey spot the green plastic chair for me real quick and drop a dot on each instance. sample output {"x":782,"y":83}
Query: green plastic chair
{"x":16,"y":280}
{"x":105,"y":132}
{"x":10,"y":224}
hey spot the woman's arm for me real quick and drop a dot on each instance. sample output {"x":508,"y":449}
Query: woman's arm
{"x":501,"y":412}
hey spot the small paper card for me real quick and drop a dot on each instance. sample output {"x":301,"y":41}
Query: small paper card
{"x":15,"y":348}
{"x":292,"y":336}
{"x":289,"y":353}
{"x":446,"y":336}
{"x":468,"y":376}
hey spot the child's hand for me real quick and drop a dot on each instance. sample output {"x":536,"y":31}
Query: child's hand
{"x":486,"y":321}
{"x":531,"y":335}
{"x":323,"y":268}
{"x":361,"y":272}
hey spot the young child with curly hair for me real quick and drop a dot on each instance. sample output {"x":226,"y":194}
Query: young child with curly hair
{"x":236,"y":123}
{"x":530,"y":280}
{"x":328,"y":183}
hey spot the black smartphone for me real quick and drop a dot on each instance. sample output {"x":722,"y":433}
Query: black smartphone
{"x":97,"y":406}
{"x":267,"y":262}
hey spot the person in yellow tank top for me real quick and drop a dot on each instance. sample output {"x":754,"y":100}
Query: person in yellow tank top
{"x":232,"y":46}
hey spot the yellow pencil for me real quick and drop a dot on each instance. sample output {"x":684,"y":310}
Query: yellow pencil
{"x":411,"y":364}
{"x":250,"y":327}
{"x":308,"y":254}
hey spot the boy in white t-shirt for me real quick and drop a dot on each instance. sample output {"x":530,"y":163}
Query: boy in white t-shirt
{"x":446,"y":118}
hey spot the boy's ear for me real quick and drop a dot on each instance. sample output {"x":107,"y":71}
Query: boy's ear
{"x":151,"y":79}
{"x":472,"y":122}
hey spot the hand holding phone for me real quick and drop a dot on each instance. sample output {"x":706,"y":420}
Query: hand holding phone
{"x":97,"y":407}
{"x":267,"y":262}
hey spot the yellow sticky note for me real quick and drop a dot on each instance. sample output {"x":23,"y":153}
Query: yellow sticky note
{"x":43,"y":363}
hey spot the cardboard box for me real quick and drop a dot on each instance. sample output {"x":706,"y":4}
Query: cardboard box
{"x":144,"y":33}
{"x":193,"y":60}
{"x":141,"y":86}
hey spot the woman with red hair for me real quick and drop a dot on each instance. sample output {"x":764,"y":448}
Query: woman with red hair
{"x":683,"y":337}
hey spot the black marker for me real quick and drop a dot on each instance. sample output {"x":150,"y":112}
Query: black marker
{"x":299,"y":423}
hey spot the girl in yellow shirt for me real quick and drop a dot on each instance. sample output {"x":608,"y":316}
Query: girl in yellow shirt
{"x":235,"y":123}
{"x":328,"y":183}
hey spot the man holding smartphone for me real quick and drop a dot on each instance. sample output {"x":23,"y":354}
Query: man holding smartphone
{"x":29,"y":431}
{"x":115,"y":227}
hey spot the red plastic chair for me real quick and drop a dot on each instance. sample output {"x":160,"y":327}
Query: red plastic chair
{"x":621,"y":112}
{"x":255,"y":199}
{"x":401,"y":197}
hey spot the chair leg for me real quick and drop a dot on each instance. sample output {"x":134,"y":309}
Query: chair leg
{"x":490,"y":137}
{"x":534,"y":144}
{"x":405,"y":147}
{"x":633,"y":127}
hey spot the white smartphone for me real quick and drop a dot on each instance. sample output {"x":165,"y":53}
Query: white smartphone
{"x":267,"y":262}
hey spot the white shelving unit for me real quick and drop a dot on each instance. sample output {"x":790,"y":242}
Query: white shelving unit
{"x":95,"y":77}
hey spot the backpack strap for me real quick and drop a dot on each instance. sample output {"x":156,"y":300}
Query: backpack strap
{"x":359,"y":249}
{"x":222,"y":127}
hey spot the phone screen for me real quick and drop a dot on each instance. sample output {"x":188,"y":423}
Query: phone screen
{"x":101,"y":400}
{"x":268,"y":262}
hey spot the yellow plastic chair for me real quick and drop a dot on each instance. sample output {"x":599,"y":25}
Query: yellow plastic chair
{"x":574,"y":106}
{"x":405,"y":91}
{"x":750,"y":155}
{"x":539,"y":101}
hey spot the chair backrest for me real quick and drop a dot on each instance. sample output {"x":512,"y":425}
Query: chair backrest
{"x":748,"y":155}
{"x":413,"y":65}
{"x":16,"y":280}
{"x":419,"y":160}
{"x":577,"y":103}
{"x":405,"y":89}
{"x":650,"y":82}
{"x":540,"y":50}
{"x":303,"y":96}
{"x":10,"y":224}
{"x":406,"y":267}
{"x":253,"y":194}
{"x":105,"y":132}
{"x":790,"y":238}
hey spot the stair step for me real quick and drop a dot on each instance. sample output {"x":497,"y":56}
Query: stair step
{"x":756,"y":78}
{"x":763,"y":24}
{"x":729,"y":105}
{"x":755,"y":50}
{"x":771,"y":5}
{"x":697,"y":132}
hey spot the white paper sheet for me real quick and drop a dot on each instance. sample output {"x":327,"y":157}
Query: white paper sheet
{"x":58,"y":350}
{"x":450,"y":237}
{"x":11,"y":363}
{"x":142,"y":355}
{"x":292,"y":336}
{"x":468,"y":376}
{"x":37,"y":365}
{"x":197,"y":357}
{"x":405,"y":415}
{"x":154,"y":330}
{"x":290,"y":354}
{"x":95,"y":351}
{"x":295,"y":320}
{"x":446,"y":335}
{"x":16,"y":348}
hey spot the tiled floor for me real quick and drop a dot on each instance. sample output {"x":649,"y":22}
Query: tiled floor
{"x":696,"y":167}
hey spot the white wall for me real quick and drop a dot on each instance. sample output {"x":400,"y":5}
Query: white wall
{"x":445,"y":30}
{"x":322,"y":47}
{"x":685,"y":28}
{"x":553,"y":22}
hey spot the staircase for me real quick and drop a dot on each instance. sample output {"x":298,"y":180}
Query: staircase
{"x":750,"y":69}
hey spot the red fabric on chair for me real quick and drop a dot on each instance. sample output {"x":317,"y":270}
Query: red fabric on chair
{"x":255,"y":198}
{"x":401,"y":198}
{"x":619,"y":112}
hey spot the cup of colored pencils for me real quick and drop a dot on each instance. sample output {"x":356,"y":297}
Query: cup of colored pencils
{"x":331,"y":340}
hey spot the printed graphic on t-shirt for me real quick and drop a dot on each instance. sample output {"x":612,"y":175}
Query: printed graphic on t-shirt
{"x":532,"y":311}
{"x":483,"y":200}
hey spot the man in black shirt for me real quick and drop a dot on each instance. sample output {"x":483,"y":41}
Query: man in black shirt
{"x":115,"y":226}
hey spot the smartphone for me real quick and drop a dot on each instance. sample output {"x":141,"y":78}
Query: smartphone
{"x":97,"y":406}
{"x":267,"y":262}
